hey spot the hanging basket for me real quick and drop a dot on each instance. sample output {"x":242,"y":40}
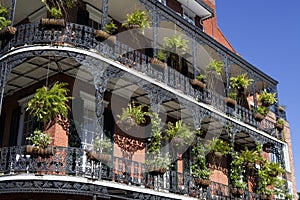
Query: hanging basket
{"x":157,"y":64}
{"x":230,"y":101}
{"x":7,"y":32}
{"x":205,"y":182}
{"x":98,"y":156}
{"x":258,"y":117}
{"x":265,"y":103}
{"x":53,"y":23}
{"x":104,"y":36}
{"x":196,"y":82}
{"x":32,"y":150}
{"x":279,"y":126}
{"x":156,"y":171}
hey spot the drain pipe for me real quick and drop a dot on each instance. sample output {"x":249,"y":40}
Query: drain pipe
{"x":204,"y":18}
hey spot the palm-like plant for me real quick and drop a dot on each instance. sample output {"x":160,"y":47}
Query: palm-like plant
{"x":134,"y":115}
{"x":180,"y":133}
{"x":267,"y":98}
{"x":175,"y":44}
{"x":4,"y":22}
{"x":50,"y":103}
{"x":138,"y":19}
{"x":57,"y":8}
{"x":240,"y":82}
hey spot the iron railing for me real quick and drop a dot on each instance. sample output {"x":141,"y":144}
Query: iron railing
{"x":68,"y":161}
{"x":80,"y":36}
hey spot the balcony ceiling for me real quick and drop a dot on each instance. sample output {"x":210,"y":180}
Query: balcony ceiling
{"x":194,"y":6}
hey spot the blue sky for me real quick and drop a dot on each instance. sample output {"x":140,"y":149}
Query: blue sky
{"x":267,"y":34}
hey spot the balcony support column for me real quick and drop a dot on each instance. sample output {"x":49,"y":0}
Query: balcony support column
{"x":155,"y":25}
{"x":227,"y":70}
{"x":4,"y":73}
{"x":12,"y":11}
{"x":104,"y":13}
{"x":195,"y":53}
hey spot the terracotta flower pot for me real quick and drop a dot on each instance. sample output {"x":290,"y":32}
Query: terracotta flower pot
{"x":158,"y":64}
{"x":196,"y":82}
{"x":230,"y":101}
{"x":32,"y":150}
{"x":52,"y":23}
{"x":7,"y":32}
{"x":156,"y":171}
{"x":104,"y":36}
{"x":98,"y":156}
{"x":258,"y":117}
{"x":279,"y":126}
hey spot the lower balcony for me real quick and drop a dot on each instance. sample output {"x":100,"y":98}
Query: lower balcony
{"x":69,"y":171}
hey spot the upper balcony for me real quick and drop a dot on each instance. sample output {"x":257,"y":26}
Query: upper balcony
{"x":177,"y":76}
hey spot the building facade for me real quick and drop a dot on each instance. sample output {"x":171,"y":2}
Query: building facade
{"x":105,"y":75}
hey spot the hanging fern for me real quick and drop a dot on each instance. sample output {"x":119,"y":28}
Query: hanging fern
{"x":49,"y":103}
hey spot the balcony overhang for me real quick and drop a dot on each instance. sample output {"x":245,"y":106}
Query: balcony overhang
{"x":198,"y":7}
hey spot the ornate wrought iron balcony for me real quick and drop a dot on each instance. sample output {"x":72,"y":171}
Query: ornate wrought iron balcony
{"x":79,"y":36}
{"x":18,"y":163}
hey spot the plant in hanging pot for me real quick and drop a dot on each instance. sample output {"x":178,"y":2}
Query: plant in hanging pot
{"x":280,"y":124}
{"x":267,"y":98}
{"x":138,"y":19}
{"x":5,"y":29}
{"x":175,"y":44}
{"x":160,"y":61}
{"x":200,"y":171}
{"x":260,"y":113}
{"x":57,"y":10}
{"x":199,"y":81}
{"x":220,"y":147}
{"x":180,"y":135}
{"x":156,"y":163}
{"x":50,"y":106}
{"x":236,"y":177}
{"x":213,"y":69}
{"x":133,"y":115}
{"x":101,"y":152}
{"x":249,"y":157}
{"x":40,"y":143}
{"x":240,"y":82}
{"x":281,"y":108}
{"x":231,"y":98}
{"x":107,"y":34}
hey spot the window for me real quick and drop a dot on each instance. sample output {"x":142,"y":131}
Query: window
{"x":286,"y":158}
{"x":27,"y":123}
{"x":89,"y":120}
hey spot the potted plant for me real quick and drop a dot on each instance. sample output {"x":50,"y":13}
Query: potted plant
{"x":160,"y":61}
{"x":231,"y":98}
{"x":260,"y":113}
{"x":240,"y":82}
{"x":249,"y":157}
{"x":179,"y":134}
{"x":213,"y":69}
{"x":267,"y":98}
{"x":5,"y":29}
{"x":138,"y":19}
{"x":199,"y":81}
{"x":156,"y":163}
{"x":107,"y":34}
{"x":133,"y":115}
{"x":40,"y":143}
{"x":281,"y":108}
{"x":200,"y":171}
{"x":57,"y":9}
{"x":49,"y":106}
{"x":220,"y":147}
{"x":101,"y":150}
{"x":280,"y":124}
{"x":236,"y":177}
